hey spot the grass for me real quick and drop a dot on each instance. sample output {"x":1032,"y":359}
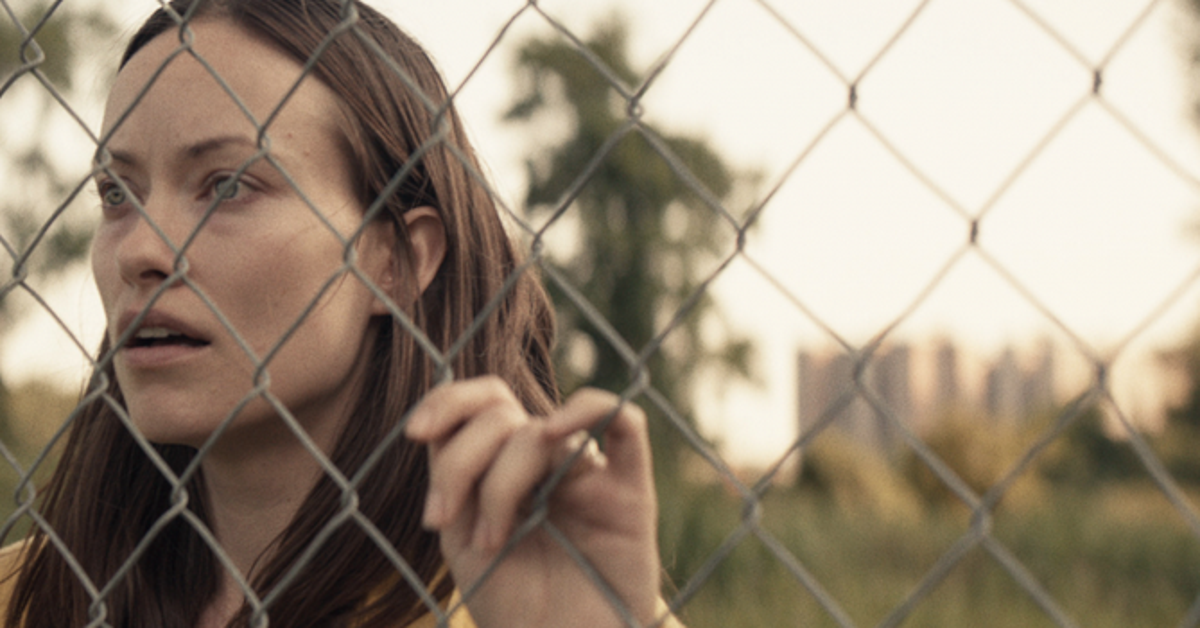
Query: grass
{"x":1100,"y":565}
{"x":1109,"y":553}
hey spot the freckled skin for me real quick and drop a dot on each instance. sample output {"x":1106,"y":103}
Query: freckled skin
{"x":262,"y":257}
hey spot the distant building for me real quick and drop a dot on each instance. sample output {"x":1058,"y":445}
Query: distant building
{"x":828,"y":393}
{"x":1038,"y":385}
{"x":1016,"y":394}
{"x":1004,"y":389}
{"x":947,"y":391}
{"x":890,"y":376}
{"x":1012,"y":390}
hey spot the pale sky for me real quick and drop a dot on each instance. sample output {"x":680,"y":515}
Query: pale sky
{"x":1095,"y":228}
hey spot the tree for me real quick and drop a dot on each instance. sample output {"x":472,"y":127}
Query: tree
{"x":643,"y":229}
{"x":1180,"y":437}
{"x":39,"y":46}
{"x":1176,"y":444}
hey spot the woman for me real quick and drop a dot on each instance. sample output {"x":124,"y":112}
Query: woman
{"x":289,"y":261}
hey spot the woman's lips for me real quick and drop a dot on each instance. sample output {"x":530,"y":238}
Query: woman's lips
{"x":160,"y":340}
{"x":159,"y":354}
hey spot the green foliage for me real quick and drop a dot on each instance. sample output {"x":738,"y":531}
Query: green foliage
{"x":1115,"y":556}
{"x":1181,"y":437}
{"x":29,"y":416}
{"x":979,"y":450}
{"x":857,"y":478}
{"x":644,"y":230}
{"x":48,"y":42}
{"x":1186,"y":359}
{"x":1087,"y":455}
{"x":1177,"y":444}
{"x":49,"y":48}
{"x":1084,"y":519}
{"x":52,"y":43}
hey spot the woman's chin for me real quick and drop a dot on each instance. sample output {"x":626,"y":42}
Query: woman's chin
{"x":255,"y":430}
{"x":175,"y":434}
{"x":172,"y":426}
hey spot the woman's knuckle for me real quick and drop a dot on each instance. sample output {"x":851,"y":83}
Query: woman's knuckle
{"x":497,"y":389}
{"x":634,"y":412}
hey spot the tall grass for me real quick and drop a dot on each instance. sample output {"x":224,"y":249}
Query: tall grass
{"x":29,"y":416}
{"x":1101,"y":567}
{"x":1110,"y":553}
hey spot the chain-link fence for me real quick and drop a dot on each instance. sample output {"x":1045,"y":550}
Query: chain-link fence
{"x":767,"y":550}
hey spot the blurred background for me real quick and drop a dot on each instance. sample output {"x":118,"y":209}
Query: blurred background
{"x":915,"y":282}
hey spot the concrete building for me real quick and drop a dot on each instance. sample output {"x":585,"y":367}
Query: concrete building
{"x":1004,"y":388}
{"x":1011,"y":389}
{"x":828,"y":393}
{"x":947,"y":389}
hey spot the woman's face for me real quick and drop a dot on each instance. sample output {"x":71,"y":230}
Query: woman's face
{"x":258,"y":261}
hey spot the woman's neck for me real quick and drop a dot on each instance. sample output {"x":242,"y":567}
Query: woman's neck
{"x":252,"y":497}
{"x":256,"y":477}
{"x":251,"y":503}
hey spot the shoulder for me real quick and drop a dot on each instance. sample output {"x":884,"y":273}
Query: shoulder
{"x":9,"y":555}
{"x":10,"y":566}
{"x":458,"y":616}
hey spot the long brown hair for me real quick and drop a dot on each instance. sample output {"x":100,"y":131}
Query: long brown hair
{"x":106,"y":495}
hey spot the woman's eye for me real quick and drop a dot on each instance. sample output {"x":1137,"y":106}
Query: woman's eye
{"x":228,"y":188}
{"x":112,"y":195}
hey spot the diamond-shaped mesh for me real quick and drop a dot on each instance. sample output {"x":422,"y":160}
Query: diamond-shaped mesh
{"x":760,"y":524}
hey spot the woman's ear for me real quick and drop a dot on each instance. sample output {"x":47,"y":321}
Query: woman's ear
{"x":427,"y":236}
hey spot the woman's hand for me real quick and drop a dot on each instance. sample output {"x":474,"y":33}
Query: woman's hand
{"x":487,"y":457}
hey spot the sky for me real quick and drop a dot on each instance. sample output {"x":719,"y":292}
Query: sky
{"x":1087,"y":243}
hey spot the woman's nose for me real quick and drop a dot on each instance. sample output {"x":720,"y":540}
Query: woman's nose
{"x":146,"y":255}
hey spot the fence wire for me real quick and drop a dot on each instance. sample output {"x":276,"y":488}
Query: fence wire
{"x":978,"y":537}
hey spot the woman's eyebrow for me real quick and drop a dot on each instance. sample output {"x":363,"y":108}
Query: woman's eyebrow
{"x":116,"y":156}
{"x":198,"y":149}
{"x":192,"y":151}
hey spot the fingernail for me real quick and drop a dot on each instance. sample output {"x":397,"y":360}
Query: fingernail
{"x":435,"y":510}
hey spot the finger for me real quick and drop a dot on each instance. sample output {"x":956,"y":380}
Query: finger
{"x":579,"y":450}
{"x":512,"y":477}
{"x":582,"y":410}
{"x":627,"y":442}
{"x":457,"y":463}
{"x":532,"y":453}
{"x":448,"y":406}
